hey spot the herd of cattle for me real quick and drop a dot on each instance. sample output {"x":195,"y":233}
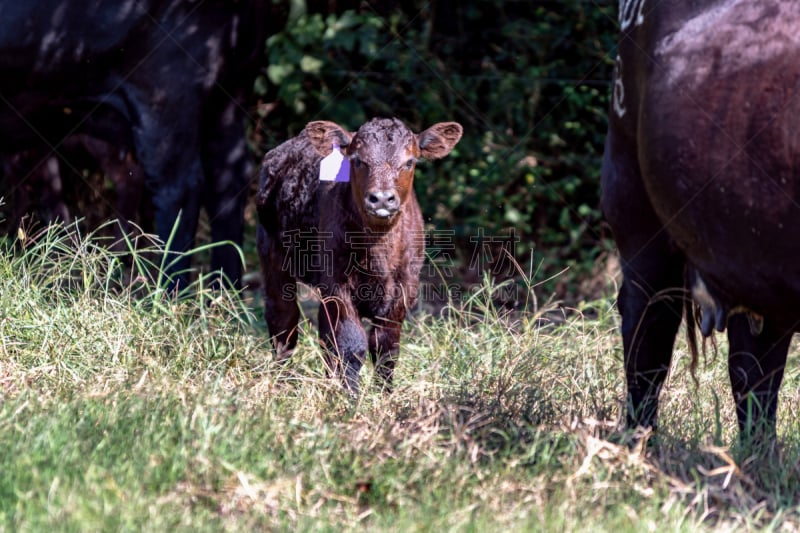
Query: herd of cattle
{"x":700,"y":176}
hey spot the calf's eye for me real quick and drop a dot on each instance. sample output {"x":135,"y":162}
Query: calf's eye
{"x":410,"y":164}
{"x":357,"y":162}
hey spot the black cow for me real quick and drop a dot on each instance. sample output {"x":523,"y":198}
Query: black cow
{"x":701,"y":185}
{"x":163,"y":78}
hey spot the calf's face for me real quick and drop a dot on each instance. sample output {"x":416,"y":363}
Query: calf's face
{"x":383,"y":154}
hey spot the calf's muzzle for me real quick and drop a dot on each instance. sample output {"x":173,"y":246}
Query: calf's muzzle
{"x":382,"y":203}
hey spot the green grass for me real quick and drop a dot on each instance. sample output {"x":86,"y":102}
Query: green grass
{"x":125,"y":409}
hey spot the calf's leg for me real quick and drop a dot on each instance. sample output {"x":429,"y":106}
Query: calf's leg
{"x":384,"y":346}
{"x":280,"y":297}
{"x":344,"y":340}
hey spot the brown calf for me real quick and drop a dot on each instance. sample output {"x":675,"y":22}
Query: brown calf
{"x":359,"y":242}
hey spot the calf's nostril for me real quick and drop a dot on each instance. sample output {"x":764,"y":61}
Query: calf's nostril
{"x":373,"y":199}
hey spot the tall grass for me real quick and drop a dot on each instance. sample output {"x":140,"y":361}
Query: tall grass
{"x":124,"y":408}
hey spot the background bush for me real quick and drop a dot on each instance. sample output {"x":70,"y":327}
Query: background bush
{"x":529,"y":80}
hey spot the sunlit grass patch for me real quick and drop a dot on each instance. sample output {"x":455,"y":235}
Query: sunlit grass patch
{"x":124,"y":407}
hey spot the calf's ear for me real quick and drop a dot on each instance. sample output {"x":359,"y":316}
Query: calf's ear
{"x":438,"y":140}
{"x":324,"y":135}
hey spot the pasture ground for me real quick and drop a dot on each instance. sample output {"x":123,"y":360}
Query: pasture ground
{"x":123,"y":409}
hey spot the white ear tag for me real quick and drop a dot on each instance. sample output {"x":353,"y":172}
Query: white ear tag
{"x":334,"y":166}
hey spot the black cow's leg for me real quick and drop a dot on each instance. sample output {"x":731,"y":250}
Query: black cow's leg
{"x":280,"y":297}
{"x":651,"y":303}
{"x":119,"y":165}
{"x":651,"y":296}
{"x":384,"y":346}
{"x":177,"y":207}
{"x":344,"y":340}
{"x":169,"y":152}
{"x":226,"y":162}
{"x":755,"y":365}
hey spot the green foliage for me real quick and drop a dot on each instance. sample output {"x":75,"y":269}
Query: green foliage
{"x":528,"y":80}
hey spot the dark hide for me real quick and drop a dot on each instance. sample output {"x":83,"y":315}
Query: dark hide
{"x":164,"y":79}
{"x":360,"y":243}
{"x":702,"y":190}
{"x":42,"y":188}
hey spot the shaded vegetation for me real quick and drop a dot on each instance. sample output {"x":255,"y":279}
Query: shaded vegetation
{"x":528,"y":80}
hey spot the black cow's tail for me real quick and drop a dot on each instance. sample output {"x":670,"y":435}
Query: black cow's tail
{"x":692,"y":326}
{"x":693,"y":315}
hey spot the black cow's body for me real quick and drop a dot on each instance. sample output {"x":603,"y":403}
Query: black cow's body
{"x":162,"y":77}
{"x":701,"y":185}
